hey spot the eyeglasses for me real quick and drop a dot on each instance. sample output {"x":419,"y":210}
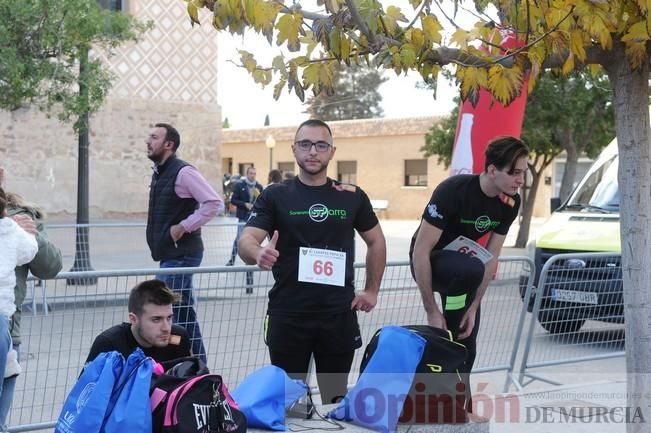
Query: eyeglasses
{"x":306,"y":145}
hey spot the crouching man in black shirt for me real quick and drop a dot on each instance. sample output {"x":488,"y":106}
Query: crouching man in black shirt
{"x":149,"y":327}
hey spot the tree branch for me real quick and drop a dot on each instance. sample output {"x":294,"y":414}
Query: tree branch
{"x":411,"y":24}
{"x":357,"y":18}
{"x":593,"y":55}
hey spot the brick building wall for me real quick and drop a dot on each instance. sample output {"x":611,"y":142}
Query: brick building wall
{"x":383,"y":152}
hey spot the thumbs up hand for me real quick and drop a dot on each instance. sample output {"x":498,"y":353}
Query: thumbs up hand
{"x":268,"y":255}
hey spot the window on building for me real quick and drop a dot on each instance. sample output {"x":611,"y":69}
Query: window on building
{"x":113,"y":5}
{"x":415,"y":172}
{"x":286,"y":167}
{"x":347,"y":171}
{"x":243,"y":167}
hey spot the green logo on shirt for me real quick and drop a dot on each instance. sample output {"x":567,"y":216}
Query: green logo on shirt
{"x":482,"y":223}
{"x":319,"y":212}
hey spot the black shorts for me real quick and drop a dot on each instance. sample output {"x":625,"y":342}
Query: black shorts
{"x":333,"y":333}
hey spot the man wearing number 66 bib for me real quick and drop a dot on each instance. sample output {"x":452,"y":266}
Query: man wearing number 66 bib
{"x":479,"y":208}
{"x":312,"y":220}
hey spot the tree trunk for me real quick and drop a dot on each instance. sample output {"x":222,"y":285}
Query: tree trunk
{"x":527,"y":210}
{"x":569,"y":174}
{"x":631,"y":105}
{"x":82,"y":235}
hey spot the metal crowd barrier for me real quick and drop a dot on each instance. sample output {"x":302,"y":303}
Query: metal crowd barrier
{"x":577,"y":313}
{"x":99,"y":239}
{"x":55,"y":344}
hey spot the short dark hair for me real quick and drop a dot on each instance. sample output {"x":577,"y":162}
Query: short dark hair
{"x":503,"y":152}
{"x":275,"y":176}
{"x":314,"y":122}
{"x":171,"y":134}
{"x":3,"y":203}
{"x":150,"y":292}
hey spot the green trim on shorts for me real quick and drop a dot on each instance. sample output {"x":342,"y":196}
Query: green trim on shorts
{"x":453,"y":303}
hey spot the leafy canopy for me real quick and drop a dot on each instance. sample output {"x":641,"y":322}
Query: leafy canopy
{"x":41,"y":42}
{"x":562,"y":34}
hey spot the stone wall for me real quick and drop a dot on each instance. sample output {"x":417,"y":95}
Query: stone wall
{"x":169,"y":76}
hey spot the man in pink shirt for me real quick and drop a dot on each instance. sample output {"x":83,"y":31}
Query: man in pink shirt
{"x":180,"y":202}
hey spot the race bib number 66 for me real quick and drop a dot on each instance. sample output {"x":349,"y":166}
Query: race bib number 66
{"x":321,"y":266}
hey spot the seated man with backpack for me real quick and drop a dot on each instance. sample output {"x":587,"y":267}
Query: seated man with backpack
{"x":150,"y":326}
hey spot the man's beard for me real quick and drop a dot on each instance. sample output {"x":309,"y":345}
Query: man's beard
{"x":156,"y":158}
{"x":302,"y":165}
{"x":155,"y":342}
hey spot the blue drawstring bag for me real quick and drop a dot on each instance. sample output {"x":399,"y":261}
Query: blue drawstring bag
{"x":264,"y":395}
{"x":88,"y":401}
{"x":130,"y":405}
{"x":377,"y":399}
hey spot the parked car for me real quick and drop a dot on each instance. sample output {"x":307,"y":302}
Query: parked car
{"x":578,"y":289}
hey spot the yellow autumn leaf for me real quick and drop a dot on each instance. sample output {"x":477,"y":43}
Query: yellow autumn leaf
{"x":636,"y":33}
{"x":504,"y":83}
{"x":556,"y":18}
{"x":577,"y":44}
{"x":345,"y":47}
{"x":568,"y":65}
{"x":416,"y":36}
{"x":248,"y":61}
{"x":319,"y":76}
{"x":392,"y":17}
{"x":473,"y":80}
{"x":193,"y":11}
{"x":432,"y":28}
{"x":460,"y":38}
{"x":311,"y":75}
{"x":262,"y":76}
{"x":327,"y":74}
{"x":636,"y":54}
{"x":289,"y":26}
{"x":301,"y":61}
{"x":644,"y":5}
{"x":407,"y":55}
{"x":532,"y":78}
{"x":395,"y":63}
{"x":264,"y":16}
{"x":334,"y":42}
{"x":278,"y":88}
{"x":595,"y":26}
{"x":278,"y":64}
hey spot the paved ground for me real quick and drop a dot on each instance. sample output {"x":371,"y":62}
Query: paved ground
{"x":586,"y":384}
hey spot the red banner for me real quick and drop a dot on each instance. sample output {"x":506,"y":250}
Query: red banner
{"x":480,"y":124}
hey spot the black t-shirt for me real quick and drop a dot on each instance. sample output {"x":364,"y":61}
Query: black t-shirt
{"x":459,"y":207}
{"x":120,"y":338}
{"x":323,"y":217}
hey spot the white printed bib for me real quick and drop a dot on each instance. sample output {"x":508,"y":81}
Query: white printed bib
{"x":320,"y":266}
{"x":469,"y":247}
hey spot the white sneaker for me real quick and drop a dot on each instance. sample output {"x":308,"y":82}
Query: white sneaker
{"x":12,"y":368}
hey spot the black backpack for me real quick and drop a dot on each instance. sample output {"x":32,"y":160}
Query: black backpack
{"x":187,"y":398}
{"x":440,"y":392}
